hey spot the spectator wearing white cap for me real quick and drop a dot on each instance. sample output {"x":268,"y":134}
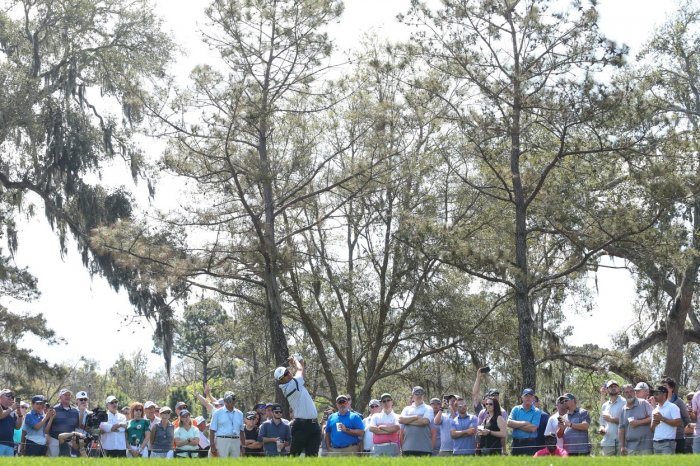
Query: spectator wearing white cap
{"x":151,"y":413}
{"x":610,"y":420}
{"x":641,"y":390}
{"x":113,"y":438}
{"x":386,"y":428}
{"x":162,"y":435}
{"x":306,"y":433}
{"x":64,"y":418}
{"x":368,"y":438}
{"x":415,"y":419}
{"x":34,"y":423}
{"x":203,"y":427}
{"x":83,"y":402}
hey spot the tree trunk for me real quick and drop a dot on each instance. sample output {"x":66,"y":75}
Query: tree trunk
{"x":522,"y":291}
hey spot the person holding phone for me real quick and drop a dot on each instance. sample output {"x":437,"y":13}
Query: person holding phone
{"x":10,"y":419}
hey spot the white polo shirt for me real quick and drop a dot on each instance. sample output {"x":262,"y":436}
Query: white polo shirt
{"x":664,"y":431}
{"x":299,"y":398}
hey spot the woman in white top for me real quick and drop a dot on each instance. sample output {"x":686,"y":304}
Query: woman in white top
{"x":186,"y":437}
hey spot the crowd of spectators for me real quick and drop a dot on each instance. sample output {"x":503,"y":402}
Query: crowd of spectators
{"x":634,"y":420}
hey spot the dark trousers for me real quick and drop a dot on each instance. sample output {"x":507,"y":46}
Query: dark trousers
{"x":416,"y":453}
{"x":523,"y":447}
{"x":115,"y":453}
{"x":34,"y":449}
{"x":680,"y":446}
{"x":306,"y":437}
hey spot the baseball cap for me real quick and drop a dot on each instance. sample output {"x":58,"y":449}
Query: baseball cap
{"x":165,"y":409}
{"x":199,"y":420}
{"x":493,"y":392}
{"x":149,"y":404}
{"x":229,"y":396}
{"x":418,"y":390}
{"x":63,"y":391}
{"x":569,"y":396}
{"x":275,"y":407}
{"x":7,"y":392}
{"x":642,"y":386}
{"x":279,"y":372}
{"x":81,"y":394}
{"x":561,"y":399}
{"x":528,"y":391}
{"x":180,"y":404}
{"x":184,"y":412}
{"x":260,"y":404}
{"x":341,"y":399}
{"x":373,"y":403}
{"x":611,"y":382}
{"x":250,"y":415}
{"x":110,"y":399}
{"x":435,"y":401}
{"x":385,"y":396}
{"x":38,"y":399}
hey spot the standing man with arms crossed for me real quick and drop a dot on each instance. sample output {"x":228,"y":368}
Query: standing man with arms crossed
{"x":415,"y":418}
{"x":306,"y":433}
{"x":524,"y":419}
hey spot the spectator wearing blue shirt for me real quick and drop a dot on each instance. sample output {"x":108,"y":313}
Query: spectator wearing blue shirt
{"x":10,"y":419}
{"x":226,"y":433}
{"x":34,"y":424}
{"x":463,"y":431}
{"x":344,"y":429}
{"x":275,"y":434}
{"x":524,"y":419}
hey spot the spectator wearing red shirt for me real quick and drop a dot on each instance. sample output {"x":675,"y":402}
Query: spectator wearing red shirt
{"x":551,"y":448}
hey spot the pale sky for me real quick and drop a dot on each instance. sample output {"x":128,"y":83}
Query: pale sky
{"x":92,"y":317}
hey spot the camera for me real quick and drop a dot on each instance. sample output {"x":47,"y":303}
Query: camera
{"x":485,"y":369}
{"x":94,"y":419}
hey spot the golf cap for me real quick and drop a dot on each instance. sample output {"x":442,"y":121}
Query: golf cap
{"x":279,"y":373}
{"x":418,"y":390}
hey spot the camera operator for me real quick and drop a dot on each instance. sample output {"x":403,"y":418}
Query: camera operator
{"x":34,"y":424}
{"x":113,"y":438}
{"x":64,"y":418}
{"x":76,"y":440}
{"x":10,"y":419}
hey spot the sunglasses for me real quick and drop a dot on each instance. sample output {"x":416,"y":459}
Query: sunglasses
{"x":82,"y":399}
{"x":277,"y":412}
{"x":488,"y":404}
{"x":386,"y":400}
{"x":113,"y":402}
{"x":182,"y":407}
{"x":342,"y":402}
{"x":374,"y":406}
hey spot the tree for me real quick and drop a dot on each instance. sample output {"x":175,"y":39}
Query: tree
{"x":65,"y":67}
{"x":519,"y":80}
{"x":666,"y":259}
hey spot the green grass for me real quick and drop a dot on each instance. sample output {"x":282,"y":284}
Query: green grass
{"x":673,"y":460}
